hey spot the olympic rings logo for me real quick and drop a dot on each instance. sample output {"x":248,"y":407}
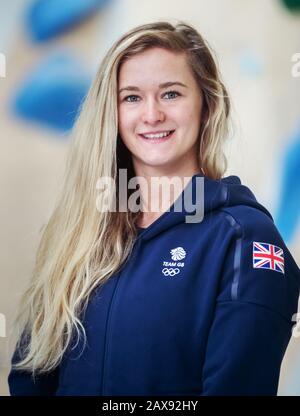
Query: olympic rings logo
{"x":170,"y":271}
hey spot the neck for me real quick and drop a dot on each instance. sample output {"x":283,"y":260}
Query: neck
{"x":159,"y":189}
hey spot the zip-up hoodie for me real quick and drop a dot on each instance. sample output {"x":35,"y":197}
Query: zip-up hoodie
{"x":203,"y":308}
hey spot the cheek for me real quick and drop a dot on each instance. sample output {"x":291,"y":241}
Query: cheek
{"x":126,"y":121}
{"x":187,"y":115}
{"x":186,"y":118}
{"x":194,"y":115}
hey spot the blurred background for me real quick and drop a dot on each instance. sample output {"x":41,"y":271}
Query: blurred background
{"x":49,"y":52}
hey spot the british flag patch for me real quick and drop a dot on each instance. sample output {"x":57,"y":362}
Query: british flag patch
{"x":268,"y":256}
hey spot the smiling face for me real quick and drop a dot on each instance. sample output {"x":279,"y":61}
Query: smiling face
{"x":158,"y":94}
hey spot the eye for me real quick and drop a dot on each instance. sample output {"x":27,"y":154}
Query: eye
{"x":129,"y":96}
{"x":136,"y":96}
{"x":172,"y":92}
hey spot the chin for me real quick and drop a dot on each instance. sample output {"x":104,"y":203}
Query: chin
{"x":157,"y":162}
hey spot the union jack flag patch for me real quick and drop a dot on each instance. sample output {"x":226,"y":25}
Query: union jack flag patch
{"x":268,"y":256}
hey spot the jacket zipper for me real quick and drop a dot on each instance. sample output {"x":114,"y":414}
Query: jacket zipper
{"x":110,"y":314}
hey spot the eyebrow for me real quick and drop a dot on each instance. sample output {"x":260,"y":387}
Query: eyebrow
{"x":161,"y":86}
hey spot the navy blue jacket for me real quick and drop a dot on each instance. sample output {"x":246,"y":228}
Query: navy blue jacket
{"x":199,"y":308}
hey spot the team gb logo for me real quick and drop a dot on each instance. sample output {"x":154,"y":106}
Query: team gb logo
{"x":172,"y":268}
{"x":178,"y":253}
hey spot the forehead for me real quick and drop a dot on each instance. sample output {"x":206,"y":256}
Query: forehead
{"x":156,"y":64}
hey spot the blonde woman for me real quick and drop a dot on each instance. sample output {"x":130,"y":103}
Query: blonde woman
{"x":195,"y":297}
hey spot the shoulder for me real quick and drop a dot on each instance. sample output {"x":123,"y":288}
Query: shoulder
{"x":250,"y":220}
{"x":259,"y":268}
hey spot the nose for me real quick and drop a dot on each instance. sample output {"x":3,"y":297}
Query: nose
{"x":152,"y":113}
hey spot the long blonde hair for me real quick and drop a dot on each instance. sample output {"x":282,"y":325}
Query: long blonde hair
{"x":81,"y":246}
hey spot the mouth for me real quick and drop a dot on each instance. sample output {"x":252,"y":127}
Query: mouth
{"x":159,"y":138}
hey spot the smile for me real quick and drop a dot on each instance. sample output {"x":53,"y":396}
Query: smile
{"x":158,"y":137}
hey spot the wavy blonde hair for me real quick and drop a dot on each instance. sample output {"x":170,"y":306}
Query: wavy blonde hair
{"x":81,"y":246}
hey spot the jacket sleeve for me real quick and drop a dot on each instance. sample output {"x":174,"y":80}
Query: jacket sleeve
{"x":22,"y":383}
{"x":252,"y":323}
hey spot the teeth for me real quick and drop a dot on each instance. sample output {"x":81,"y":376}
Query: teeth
{"x":157,"y":136}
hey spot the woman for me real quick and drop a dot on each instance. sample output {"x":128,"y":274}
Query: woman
{"x":195,"y":298}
